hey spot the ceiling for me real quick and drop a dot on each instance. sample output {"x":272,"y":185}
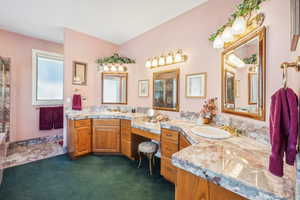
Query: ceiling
{"x":116,"y":21}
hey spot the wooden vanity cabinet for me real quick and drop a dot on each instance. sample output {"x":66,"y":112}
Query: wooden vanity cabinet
{"x":193,"y":187}
{"x":79,"y":137}
{"x":106,"y":136}
{"x":169,"y":146}
{"x":126,"y":148}
{"x":183,"y":142}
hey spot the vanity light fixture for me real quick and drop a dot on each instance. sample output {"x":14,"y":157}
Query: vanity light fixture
{"x":154,"y":62}
{"x":239,"y":26}
{"x":170,"y":59}
{"x":112,"y":68}
{"x":162,"y":61}
{"x":148,"y":63}
{"x":218,"y":42}
{"x":227,"y":35}
{"x":178,"y":56}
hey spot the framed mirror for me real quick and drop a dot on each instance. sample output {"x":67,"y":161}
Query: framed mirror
{"x":166,"y":90}
{"x":114,"y":88}
{"x":244,"y":76}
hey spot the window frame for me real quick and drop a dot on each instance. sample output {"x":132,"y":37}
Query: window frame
{"x":50,"y":55}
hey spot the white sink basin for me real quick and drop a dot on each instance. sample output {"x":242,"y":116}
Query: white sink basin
{"x":211,"y":132}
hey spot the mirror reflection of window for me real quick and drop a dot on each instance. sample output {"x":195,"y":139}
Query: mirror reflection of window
{"x":114,"y":88}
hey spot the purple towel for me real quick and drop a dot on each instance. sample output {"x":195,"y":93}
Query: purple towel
{"x":46,"y":118}
{"x":76,"y":105}
{"x":58,"y":117}
{"x":283,"y":129}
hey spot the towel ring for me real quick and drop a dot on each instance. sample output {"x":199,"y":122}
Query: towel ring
{"x":284,"y":76}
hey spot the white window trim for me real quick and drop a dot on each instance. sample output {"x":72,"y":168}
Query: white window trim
{"x":50,"y":55}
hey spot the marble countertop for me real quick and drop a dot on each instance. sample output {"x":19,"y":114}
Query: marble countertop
{"x":239,"y":164}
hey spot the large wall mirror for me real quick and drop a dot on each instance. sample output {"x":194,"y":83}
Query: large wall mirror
{"x":166,"y":90}
{"x":114,"y":88}
{"x":243,"y":76}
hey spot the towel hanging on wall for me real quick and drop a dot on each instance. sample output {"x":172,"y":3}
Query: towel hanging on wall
{"x":283,"y":129}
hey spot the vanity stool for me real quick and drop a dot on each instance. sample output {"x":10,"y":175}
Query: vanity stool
{"x":149,"y":149}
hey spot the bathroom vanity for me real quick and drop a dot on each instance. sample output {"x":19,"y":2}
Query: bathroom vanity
{"x":201,"y":168}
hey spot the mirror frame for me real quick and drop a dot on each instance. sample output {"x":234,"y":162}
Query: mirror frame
{"x":114,"y":73}
{"x":177,"y":71}
{"x":261,"y":34}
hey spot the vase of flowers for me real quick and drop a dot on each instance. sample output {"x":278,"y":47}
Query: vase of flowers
{"x":209,"y":110}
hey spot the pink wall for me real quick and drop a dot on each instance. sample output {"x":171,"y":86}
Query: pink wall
{"x":190,"y":32}
{"x":84,"y":48}
{"x":24,"y":116}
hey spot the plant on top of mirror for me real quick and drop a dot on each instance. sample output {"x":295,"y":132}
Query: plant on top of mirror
{"x":115,"y":59}
{"x":251,"y":60}
{"x":243,"y":9}
{"x":209,"y":109}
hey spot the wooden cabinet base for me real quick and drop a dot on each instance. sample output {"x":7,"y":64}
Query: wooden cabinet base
{"x":192,"y":187}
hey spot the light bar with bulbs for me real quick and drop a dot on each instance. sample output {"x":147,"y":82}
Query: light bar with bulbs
{"x":165,"y":60}
{"x":112,"y":68}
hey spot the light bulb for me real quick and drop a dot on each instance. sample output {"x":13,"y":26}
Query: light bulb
{"x":239,"y":26}
{"x":178,"y":56}
{"x":218,"y":42}
{"x":227,"y":35}
{"x":121,"y":68}
{"x":148,"y":63}
{"x":169,"y":59}
{"x":154,"y":62}
{"x":162,"y":61}
{"x":105,"y":68}
{"x":113,"y":68}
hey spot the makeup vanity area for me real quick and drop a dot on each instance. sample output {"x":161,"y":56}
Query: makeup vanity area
{"x":229,"y":168}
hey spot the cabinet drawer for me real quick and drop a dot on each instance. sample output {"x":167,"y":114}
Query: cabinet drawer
{"x":82,"y":123}
{"x":106,"y":122}
{"x":171,"y":136}
{"x":168,"y":149}
{"x":168,"y":170}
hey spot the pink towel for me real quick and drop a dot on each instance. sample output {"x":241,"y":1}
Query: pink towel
{"x":283,"y":129}
{"x":76,"y":105}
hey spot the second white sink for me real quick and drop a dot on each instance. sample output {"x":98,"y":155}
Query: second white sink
{"x":211,"y":132}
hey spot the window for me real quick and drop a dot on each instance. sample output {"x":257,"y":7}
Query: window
{"x":47,"y":78}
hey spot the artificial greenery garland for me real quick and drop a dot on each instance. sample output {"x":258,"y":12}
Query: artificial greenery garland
{"x":251,"y":60}
{"x":115,"y":59}
{"x":243,"y":10}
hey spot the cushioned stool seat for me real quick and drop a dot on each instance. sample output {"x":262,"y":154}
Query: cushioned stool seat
{"x":149,"y":149}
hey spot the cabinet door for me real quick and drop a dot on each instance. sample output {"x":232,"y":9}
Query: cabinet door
{"x":218,"y":193}
{"x":106,"y":139}
{"x":191,"y":187}
{"x":83,"y":141}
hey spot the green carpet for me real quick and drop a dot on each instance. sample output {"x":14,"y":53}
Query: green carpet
{"x":88,"y":178}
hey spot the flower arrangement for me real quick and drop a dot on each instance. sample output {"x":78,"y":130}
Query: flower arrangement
{"x":209,"y":109}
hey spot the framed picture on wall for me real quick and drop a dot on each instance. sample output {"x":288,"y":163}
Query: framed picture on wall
{"x":79,"y":73}
{"x":196,"y":85}
{"x":143,"y":88}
